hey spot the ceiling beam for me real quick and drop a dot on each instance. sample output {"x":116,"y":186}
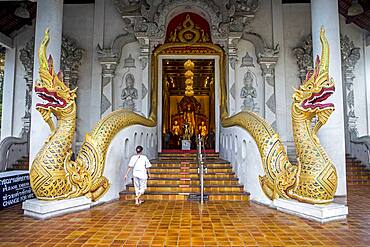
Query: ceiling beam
{"x":6,"y":41}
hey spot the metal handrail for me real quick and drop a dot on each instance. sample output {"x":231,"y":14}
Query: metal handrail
{"x":202,"y":168}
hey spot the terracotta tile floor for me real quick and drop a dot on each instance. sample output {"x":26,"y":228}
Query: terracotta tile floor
{"x":171,"y":223}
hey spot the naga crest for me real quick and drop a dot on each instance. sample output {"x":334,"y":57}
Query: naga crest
{"x":57,"y":97}
{"x":317,"y":86}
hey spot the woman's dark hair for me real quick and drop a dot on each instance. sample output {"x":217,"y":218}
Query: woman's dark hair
{"x":139,"y":149}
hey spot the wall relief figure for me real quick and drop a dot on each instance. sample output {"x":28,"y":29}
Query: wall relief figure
{"x":129,"y":93}
{"x":249,"y":92}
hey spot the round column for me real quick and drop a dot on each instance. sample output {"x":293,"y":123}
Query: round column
{"x":331,"y":135}
{"x":49,"y":15}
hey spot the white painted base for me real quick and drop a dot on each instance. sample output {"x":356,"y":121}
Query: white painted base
{"x":47,"y":209}
{"x":320,"y":213}
{"x":186,"y":144}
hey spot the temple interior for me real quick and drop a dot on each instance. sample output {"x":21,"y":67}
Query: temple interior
{"x":196,"y":111}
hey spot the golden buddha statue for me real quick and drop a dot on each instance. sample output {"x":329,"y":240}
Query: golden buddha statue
{"x":176,"y":129}
{"x":202,"y":129}
{"x":189,"y":118}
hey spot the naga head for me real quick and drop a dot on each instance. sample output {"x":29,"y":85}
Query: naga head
{"x":57,"y":97}
{"x":317,"y":87}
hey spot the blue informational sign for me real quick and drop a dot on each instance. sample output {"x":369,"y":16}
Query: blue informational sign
{"x":14,"y":188}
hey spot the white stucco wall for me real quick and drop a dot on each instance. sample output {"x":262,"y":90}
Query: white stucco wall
{"x":262,"y":22}
{"x":297,"y":25}
{"x":119,"y":153}
{"x":78,"y":20}
{"x":238,"y":147}
{"x":113,"y":25}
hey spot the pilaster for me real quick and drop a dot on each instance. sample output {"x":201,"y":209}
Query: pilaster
{"x":350,"y":56}
{"x":27,"y":58}
{"x":232,"y":50}
{"x":144,"y":59}
{"x":267,"y":61}
{"x":52,"y":20}
{"x":325,"y":14}
{"x":108,"y":61}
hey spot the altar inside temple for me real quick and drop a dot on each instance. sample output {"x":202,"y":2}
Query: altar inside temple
{"x":186,"y":115}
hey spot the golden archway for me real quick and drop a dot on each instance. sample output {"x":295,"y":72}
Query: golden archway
{"x":194,"y":41}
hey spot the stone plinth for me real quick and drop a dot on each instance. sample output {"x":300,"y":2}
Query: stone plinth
{"x":47,"y":209}
{"x":321,"y":213}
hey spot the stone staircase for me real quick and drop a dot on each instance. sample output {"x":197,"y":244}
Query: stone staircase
{"x":22,"y":164}
{"x":174,"y":176}
{"x":357,"y":173}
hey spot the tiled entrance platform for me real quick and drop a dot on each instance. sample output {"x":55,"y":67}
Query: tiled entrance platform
{"x":182,"y":223}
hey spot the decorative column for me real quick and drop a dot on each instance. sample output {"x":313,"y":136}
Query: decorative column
{"x":109,"y":61}
{"x":350,"y":56}
{"x":144,"y":59}
{"x":27,"y":59}
{"x":49,"y":15}
{"x":71,"y":61}
{"x":267,"y":61}
{"x":331,"y":135}
{"x":232,"y":50}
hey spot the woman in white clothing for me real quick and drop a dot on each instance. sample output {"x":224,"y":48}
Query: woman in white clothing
{"x":140,"y":164}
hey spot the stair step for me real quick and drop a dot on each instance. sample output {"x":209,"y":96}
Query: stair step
{"x":173,"y":181}
{"x":185,"y":161}
{"x":187,"y":154}
{"x":174,"y":176}
{"x":190,"y":188}
{"x":192,"y":165}
{"x":230,"y":196}
{"x":356,"y":172}
{"x":191,"y":175}
{"x":188,"y":169}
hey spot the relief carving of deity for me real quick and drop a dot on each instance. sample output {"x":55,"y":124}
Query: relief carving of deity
{"x":129,"y":93}
{"x":248,"y":93}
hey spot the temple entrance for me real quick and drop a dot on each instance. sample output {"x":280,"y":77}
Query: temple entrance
{"x":188,"y":103}
{"x":187,"y":73}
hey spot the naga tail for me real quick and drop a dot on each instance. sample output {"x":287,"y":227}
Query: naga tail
{"x":280,"y":175}
{"x":92,"y":155}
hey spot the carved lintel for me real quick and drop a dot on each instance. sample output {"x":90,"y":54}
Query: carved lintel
{"x":151,"y":17}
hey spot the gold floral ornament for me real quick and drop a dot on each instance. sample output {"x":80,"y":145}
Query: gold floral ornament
{"x":53,"y":174}
{"x":314,"y":178}
{"x":188,"y":32}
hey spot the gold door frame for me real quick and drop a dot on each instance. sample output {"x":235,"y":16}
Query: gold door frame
{"x":202,"y":49}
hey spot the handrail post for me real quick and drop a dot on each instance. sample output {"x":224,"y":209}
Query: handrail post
{"x":201,"y":168}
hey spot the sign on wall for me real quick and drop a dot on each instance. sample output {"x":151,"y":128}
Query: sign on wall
{"x":14,"y":188}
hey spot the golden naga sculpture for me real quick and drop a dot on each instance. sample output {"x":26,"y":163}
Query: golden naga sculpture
{"x":53,"y":174}
{"x":314,"y":178}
